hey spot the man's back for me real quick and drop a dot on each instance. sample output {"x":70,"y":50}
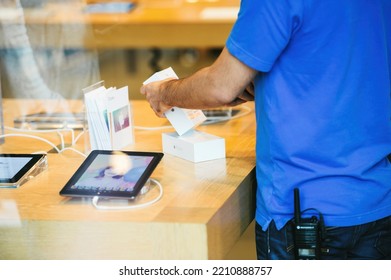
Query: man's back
{"x":323,"y":105}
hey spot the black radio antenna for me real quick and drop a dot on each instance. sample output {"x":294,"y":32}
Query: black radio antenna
{"x":296,"y":203}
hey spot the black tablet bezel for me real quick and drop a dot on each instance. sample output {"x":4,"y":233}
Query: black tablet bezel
{"x":34,"y":159}
{"x":68,"y":191}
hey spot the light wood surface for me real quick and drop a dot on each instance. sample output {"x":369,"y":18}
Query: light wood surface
{"x":157,"y":23}
{"x":203,"y":212}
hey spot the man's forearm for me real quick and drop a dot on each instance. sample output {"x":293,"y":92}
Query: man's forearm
{"x":220,"y":84}
{"x":198,"y":91}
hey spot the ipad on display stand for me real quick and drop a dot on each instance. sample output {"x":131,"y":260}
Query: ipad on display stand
{"x":16,"y":169}
{"x":112,"y":174}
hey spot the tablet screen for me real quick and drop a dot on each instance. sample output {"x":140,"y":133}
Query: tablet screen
{"x":112,"y":174}
{"x":14,"y":167}
{"x":9,"y":167}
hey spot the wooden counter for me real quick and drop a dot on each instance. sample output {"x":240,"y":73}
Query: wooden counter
{"x":170,"y":23}
{"x":204,"y":210}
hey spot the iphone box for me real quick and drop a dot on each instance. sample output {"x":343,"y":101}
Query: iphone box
{"x":183,"y":120}
{"x":195,"y":146}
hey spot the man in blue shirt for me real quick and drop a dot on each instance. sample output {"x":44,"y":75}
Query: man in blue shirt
{"x":322,"y":77}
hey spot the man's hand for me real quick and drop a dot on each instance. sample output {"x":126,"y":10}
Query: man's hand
{"x":152,"y":92}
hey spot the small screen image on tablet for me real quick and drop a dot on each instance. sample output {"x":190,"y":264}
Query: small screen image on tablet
{"x":112,"y":174}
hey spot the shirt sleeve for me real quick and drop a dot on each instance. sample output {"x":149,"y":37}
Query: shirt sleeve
{"x":263,"y":30}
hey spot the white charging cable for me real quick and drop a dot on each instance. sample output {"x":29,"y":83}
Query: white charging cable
{"x":95,"y":200}
{"x":58,"y":131}
{"x":31,"y":136}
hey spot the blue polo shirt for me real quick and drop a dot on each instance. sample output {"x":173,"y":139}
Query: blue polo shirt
{"x":322,"y":105}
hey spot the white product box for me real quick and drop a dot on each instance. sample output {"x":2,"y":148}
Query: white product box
{"x":195,"y":146}
{"x":184,"y":120}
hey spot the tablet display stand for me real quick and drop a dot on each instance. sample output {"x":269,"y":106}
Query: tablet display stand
{"x":29,"y":172}
{"x":41,"y":166}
